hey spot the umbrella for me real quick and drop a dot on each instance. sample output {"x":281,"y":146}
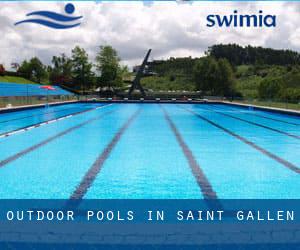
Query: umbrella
{"x":47,"y":87}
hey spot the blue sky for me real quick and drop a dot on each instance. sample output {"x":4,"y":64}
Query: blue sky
{"x":169,"y":28}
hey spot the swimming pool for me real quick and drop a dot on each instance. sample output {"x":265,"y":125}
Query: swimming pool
{"x":172,"y":151}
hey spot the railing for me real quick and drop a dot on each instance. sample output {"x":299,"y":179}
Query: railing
{"x":287,"y":104}
{"x":14,"y":101}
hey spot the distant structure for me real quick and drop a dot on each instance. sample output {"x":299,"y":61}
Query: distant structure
{"x":140,"y":71}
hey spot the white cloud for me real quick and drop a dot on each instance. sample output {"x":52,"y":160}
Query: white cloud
{"x":170,"y":29}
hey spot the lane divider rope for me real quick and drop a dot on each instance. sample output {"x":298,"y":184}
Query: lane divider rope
{"x":50,"y":139}
{"x":17,"y":131}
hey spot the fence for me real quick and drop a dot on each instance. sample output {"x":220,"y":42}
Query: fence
{"x":287,"y":104}
{"x":14,"y":94}
{"x":29,"y":98}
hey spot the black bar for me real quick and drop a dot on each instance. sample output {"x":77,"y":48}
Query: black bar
{"x":280,"y":160}
{"x":38,"y":124}
{"x":266,"y":117}
{"x":256,"y":124}
{"x":203,"y":182}
{"x":50,"y":139}
{"x":93,"y":171}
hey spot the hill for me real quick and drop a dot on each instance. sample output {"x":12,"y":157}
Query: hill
{"x":272,"y":82}
{"x":171,"y":74}
{"x":15,"y":79}
{"x":257,"y":73}
{"x":238,"y":55}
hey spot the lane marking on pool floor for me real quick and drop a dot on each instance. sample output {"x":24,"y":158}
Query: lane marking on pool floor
{"x":50,"y":139}
{"x":27,"y":128}
{"x":94,"y":170}
{"x":201,"y":179}
{"x":262,"y":116}
{"x":256,"y":124}
{"x":280,"y":160}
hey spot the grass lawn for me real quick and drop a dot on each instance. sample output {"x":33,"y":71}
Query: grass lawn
{"x":282,"y":105}
{"x":15,"y":79}
{"x":165,"y":83}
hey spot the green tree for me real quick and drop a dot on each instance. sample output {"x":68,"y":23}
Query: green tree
{"x":270,"y":88}
{"x":108,"y":65}
{"x":61,"y":71}
{"x":224,"y":83}
{"x":290,"y":94}
{"x":205,"y":74}
{"x":38,"y":70}
{"x":25,"y":69}
{"x":83,"y":76}
{"x":33,"y":70}
{"x":213,"y":76}
{"x":238,"y":55}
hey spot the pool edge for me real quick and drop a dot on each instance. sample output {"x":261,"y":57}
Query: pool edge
{"x":34,"y":106}
{"x":242,"y":105}
{"x":263,"y":108}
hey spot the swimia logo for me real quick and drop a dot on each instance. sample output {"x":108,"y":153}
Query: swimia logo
{"x":239,"y":20}
{"x":54,"y":20}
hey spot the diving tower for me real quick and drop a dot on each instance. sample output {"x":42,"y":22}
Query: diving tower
{"x":136,"y":82}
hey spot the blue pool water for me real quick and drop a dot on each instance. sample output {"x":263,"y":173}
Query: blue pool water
{"x":17,"y":120}
{"x":149,"y":151}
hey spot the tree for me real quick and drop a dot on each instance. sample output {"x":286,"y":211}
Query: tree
{"x":205,"y":73}
{"x":214,"y":76}
{"x":61,"y":71}
{"x":2,"y":70}
{"x":224,"y":84}
{"x":33,"y":70}
{"x":25,"y":69}
{"x":270,"y":88}
{"x":107,"y":64}
{"x":238,"y":55}
{"x":38,"y":70}
{"x":81,"y":69}
{"x":290,"y":94}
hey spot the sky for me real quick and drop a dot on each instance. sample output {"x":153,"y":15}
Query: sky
{"x":171,"y":29}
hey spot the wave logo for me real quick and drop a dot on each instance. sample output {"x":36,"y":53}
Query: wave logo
{"x":54,"y":20}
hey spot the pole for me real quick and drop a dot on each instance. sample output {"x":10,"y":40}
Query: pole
{"x":82,"y":76}
{"x":47,"y":98}
{"x":27,"y":99}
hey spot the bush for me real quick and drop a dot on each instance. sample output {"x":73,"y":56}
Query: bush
{"x":270,"y":88}
{"x":213,"y":76}
{"x":2,"y":70}
{"x":290,"y":95}
{"x":172,"y":78}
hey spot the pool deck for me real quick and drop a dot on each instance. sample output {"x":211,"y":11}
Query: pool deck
{"x":263,"y":108}
{"x":19,"y":108}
